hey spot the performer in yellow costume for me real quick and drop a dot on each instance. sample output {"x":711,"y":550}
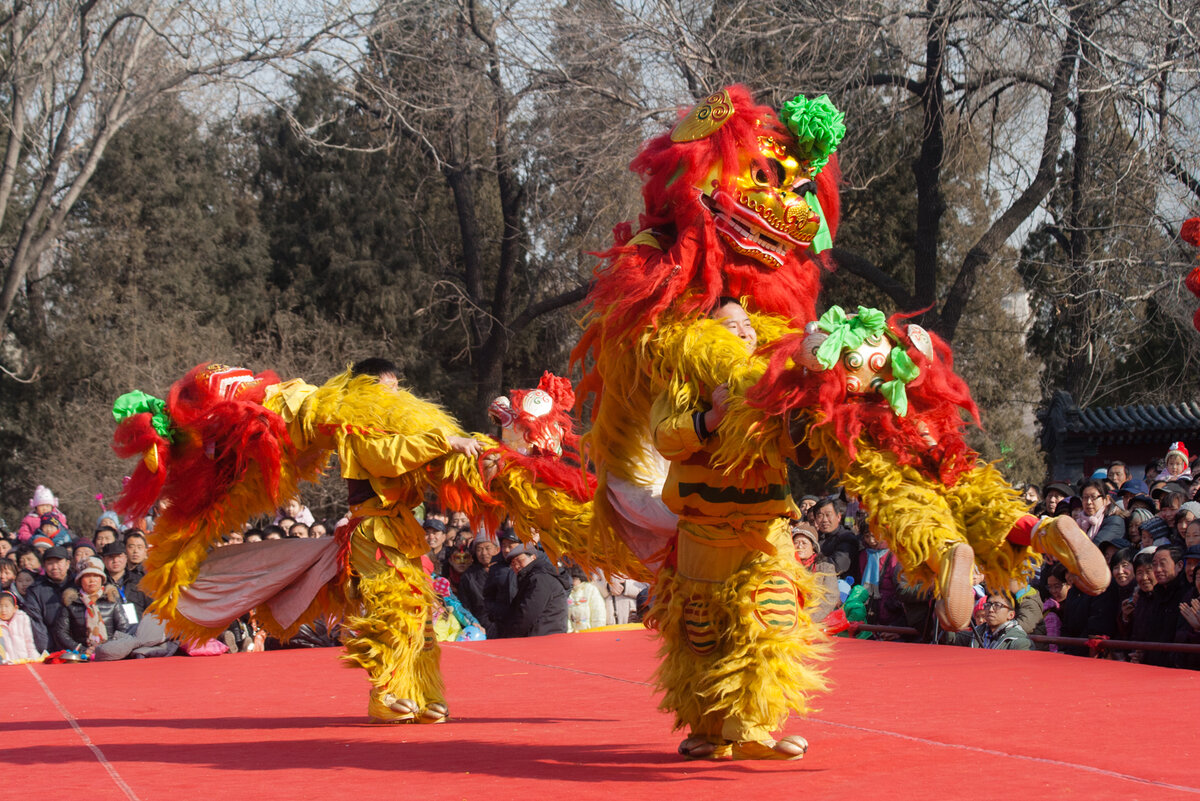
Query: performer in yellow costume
{"x":228,"y":444}
{"x":738,"y":649}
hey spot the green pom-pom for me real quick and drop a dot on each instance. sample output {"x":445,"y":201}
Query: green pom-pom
{"x":817,"y":126}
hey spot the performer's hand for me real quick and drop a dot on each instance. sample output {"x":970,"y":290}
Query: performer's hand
{"x":720,"y":402}
{"x":465,"y":445}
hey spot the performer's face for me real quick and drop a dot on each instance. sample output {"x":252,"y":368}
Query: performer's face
{"x":733,"y":317}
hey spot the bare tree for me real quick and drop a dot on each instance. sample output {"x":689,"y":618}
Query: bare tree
{"x":75,"y":73}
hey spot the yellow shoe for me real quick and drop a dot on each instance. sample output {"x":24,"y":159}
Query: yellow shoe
{"x":956,"y":596}
{"x":704,"y":748}
{"x":387,"y":708}
{"x":788,"y":748}
{"x":1062,"y":538}
{"x":434,"y":713}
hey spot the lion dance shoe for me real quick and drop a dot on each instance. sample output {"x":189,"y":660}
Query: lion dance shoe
{"x":1062,"y":538}
{"x":787,"y":748}
{"x":956,"y":596}
{"x":387,"y":708}
{"x":704,"y":748}
{"x":434,"y":713}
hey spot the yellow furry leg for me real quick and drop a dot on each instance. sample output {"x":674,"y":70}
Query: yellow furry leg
{"x":391,"y":639}
{"x":909,"y":511}
{"x":988,"y":507}
{"x":737,"y":647}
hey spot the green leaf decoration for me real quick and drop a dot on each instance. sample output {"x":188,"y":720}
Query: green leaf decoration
{"x":138,"y":402}
{"x":817,"y":125}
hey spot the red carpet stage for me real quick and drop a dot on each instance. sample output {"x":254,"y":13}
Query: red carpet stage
{"x":573,"y":717}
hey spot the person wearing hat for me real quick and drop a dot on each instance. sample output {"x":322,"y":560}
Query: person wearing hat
{"x":540,"y":605}
{"x":808,"y":553}
{"x":486,"y":554}
{"x":92,"y":618}
{"x":435,"y":536}
{"x":42,"y":503}
{"x":81,"y":552}
{"x":1177,"y":464}
{"x":41,"y":542}
{"x":116,"y":573}
{"x":1055,"y":492}
{"x":43,"y":600}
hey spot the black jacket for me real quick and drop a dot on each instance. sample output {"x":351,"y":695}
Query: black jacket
{"x":70,"y":627}
{"x":470,"y":592}
{"x":842,"y":547}
{"x":540,"y":606}
{"x":499,"y":590}
{"x":128,"y":588}
{"x":43,"y":600}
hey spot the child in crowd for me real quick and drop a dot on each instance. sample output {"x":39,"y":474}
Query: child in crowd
{"x":16,"y":632}
{"x":43,"y":503}
{"x":1178,"y":464}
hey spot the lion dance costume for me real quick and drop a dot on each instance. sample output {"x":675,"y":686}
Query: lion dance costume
{"x":739,"y":203}
{"x":227,"y":445}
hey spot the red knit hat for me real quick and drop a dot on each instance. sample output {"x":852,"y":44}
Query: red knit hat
{"x":1179,"y":449}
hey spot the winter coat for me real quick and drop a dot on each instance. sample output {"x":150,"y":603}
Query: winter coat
{"x":585,"y":607}
{"x":33,"y":521}
{"x":842,"y":547}
{"x":470,"y":592}
{"x":1011,"y":637}
{"x":540,"y":606}
{"x":498,"y":592}
{"x":70,"y":627}
{"x":43,"y":601}
{"x":16,"y":636}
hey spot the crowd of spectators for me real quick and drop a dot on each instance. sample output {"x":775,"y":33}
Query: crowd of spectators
{"x":66,"y":594}
{"x":73,"y":598}
{"x":1149,"y":531}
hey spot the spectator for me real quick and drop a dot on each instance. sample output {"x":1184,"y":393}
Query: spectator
{"x":43,"y":600}
{"x":540,"y":605}
{"x":1189,"y":616}
{"x":1032,"y":495}
{"x":1118,"y":474}
{"x":838,"y":543}
{"x":1104,"y":612}
{"x":473,"y":580}
{"x":501,"y":586}
{"x":273,"y":532}
{"x":91,"y":620}
{"x":252,"y":535}
{"x":1185,"y":516}
{"x":43,"y":503}
{"x":81,"y":552}
{"x":1097,"y":519}
{"x":23,"y":582}
{"x":296,"y":511}
{"x":8,"y":574}
{"x":999,"y":631}
{"x":806,"y":505}
{"x":878,"y":568}
{"x":1170,"y":590}
{"x":299,"y":531}
{"x":1072,"y":608}
{"x":620,"y":604}
{"x":135,"y":552}
{"x":105,"y":535}
{"x":1177,"y":464}
{"x":458,"y":562}
{"x":115,"y":563}
{"x":585,"y":604}
{"x":435,"y":536}
{"x":1029,"y":615}
{"x":6,"y":547}
{"x":318,"y":530}
{"x":30,"y":559}
{"x":1191,"y":562}
{"x":1055,"y":493}
{"x":16,"y":632}
{"x":1154,"y":532}
{"x":804,"y":540}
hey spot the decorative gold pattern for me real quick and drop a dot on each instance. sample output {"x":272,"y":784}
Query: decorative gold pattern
{"x":704,"y":119}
